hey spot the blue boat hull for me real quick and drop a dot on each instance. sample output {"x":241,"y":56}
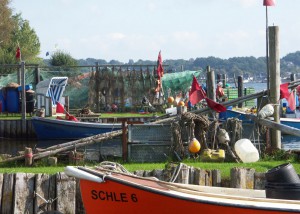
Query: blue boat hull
{"x":53,"y":129}
{"x":292,"y":122}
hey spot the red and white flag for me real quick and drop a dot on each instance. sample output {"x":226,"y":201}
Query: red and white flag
{"x":269,"y":3}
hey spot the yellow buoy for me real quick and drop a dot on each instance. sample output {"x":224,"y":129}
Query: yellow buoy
{"x":194,"y":146}
{"x":170,"y":99}
{"x":181,"y":103}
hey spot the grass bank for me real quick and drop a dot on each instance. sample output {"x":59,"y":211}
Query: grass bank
{"x":261,"y":166}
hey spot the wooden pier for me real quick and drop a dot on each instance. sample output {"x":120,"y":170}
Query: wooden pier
{"x":15,"y":129}
{"x":58,"y":193}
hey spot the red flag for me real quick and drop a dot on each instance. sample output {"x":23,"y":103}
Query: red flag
{"x":284,"y":91}
{"x":160,"y":69}
{"x":71,"y":117}
{"x":18,"y":53}
{"x":215,"y":106}
{"x":269,"y":2}
{"x":59,"y":108}
{"x":291,"y":101}
{"x":196,"y":93}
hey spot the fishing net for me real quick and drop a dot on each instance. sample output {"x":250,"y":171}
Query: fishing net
{"x":101,"y":88}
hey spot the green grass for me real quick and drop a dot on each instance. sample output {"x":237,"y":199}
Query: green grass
{"x":261,"y":166}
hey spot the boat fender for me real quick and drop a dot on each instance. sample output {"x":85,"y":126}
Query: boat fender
{"x":266,"y":111}
{"x":223,"y":136}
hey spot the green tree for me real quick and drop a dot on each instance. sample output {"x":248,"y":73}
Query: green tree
{"x":14,"y":32}
{"x":25,"y":37}
{"x":60,"y":58}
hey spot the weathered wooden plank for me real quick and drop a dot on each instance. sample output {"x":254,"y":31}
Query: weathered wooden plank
{"x":239,"y":178}
{"x":7,"y":129}
{"x":250,"y":178}
{"x":13,"y":128}
{"x":183,"y":176}
{"x":18,"y":128}
{"x":158,"y":173}
{"x":242,"y":178}
{"x":192,"y":175}
{"x":1,"y":184}
{"x":216,"y":177}
{"x":139,"y":173}
{"x":45,"y":189}
{"x":23,"y":194}
{"x":65,"y":189}
{"x":200,"y":177}
{"x":259,"y":180}
{"x":2,"y":128}
{"x":7,"y":194}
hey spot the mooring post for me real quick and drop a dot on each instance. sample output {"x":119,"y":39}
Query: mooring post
{"x":28,"y":156}
{"x":274,"y":67}
{"x":240,"y":90}
{"x":210,"y":86}
{"x":211,"y":91}
{"x":124,"y":140}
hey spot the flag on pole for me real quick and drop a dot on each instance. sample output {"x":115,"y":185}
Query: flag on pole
{"x":269,"y":3}
{"x":291,"y":101}
{"x":59,"y":108}
{"x":284,"y":90}
{"x":160,"y":69}
{"x":18,"y":53}
{"x":197,"y":94}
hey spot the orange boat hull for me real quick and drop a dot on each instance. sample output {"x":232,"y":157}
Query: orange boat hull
{"x":120,"y":196}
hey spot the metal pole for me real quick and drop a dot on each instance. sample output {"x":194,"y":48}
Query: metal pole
{"x":267,"y":50}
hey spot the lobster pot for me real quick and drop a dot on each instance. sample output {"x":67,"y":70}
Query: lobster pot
{"x":12,"y":100}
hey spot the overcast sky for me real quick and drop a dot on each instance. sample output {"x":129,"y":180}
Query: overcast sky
{"x":181,"y":29}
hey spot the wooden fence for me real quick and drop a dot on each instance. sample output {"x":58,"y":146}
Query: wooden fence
{"x":41,"y":193}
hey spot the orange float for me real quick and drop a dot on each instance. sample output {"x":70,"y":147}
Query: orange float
{"x":170,"y":99}
{"x":194,"y":146}
{"x":181,"y":103}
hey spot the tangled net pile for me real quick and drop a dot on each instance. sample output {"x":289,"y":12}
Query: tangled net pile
{"x":190,"y":125}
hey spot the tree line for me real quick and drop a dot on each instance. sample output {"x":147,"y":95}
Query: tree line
{"x":16,"y":32}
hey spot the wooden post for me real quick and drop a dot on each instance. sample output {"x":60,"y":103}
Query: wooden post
{"x":211,"y":91}
{"x":37,"y":74}
{"x":23,"y":97}
{"x":218,"y":77}
{"x":67,"y":103}
{"x":240,"y":90}
{"x":124,"y":140}
{"x":293,"y":77}
{"x":224,"y":78}
{"x":275,"y":81}
{"x":28,"y":156}
{"x":97,"y":100}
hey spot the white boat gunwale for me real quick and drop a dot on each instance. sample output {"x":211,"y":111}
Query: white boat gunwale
{"x":182,"y":192}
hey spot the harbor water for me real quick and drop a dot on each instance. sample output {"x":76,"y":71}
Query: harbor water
{"x":114,"y":148}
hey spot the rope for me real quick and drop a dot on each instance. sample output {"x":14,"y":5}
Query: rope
{"x":112,"y":166}
{"x":200,"y":128}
